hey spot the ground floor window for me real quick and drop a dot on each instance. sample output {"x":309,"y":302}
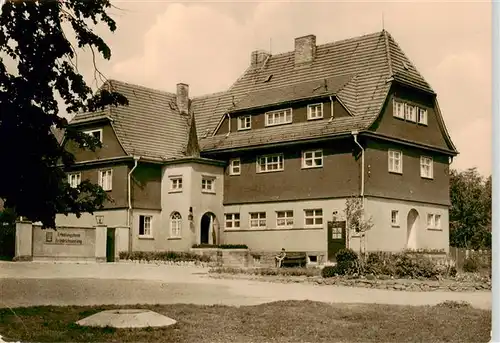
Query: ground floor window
{"x":175,"y":224}
{"x":232,"y":221}
{"x":145,"y":225}
{"x":258,"y":220}
{"x":313,"y":218}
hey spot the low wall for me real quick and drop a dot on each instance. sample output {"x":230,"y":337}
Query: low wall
{"x":226,"y":257}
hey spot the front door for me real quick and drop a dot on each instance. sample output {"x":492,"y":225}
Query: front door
{"x":110,"y":245}
{"x":205,"y":228}
{"x":336,"y":238}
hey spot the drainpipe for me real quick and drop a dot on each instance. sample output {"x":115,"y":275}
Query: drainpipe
{"x":129,"y":212}
{"x":362,"y":191}
{"x":331,"y":107}
{"x":229,"y":119}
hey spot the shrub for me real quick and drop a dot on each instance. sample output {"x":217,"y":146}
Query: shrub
{"x":268,"y":271}
{"x":222,"y":246}
{"x":471,"y":265}
{"x":163,"y":256}
{"x":329,"y":271}
{"x":347,"y":262}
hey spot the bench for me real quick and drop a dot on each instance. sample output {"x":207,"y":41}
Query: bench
{"x":294,"y":259}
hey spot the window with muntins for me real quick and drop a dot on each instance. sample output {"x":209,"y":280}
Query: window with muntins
{"x":279,"y":117}
{"x":434,"y":221}
{"x":106,"y":179}
{"x":145,"y":225}
{"x":232,"y":221}
{"x":270,"y":163}
{"x":422,"y":116}
{"x":244,"y":123}
{"x":398,"y":109}
{"x":235,"y":166}
{"x":426,"y":167}
{"x":395,"y":161}
{"x":411,"y":113}
{"x":258,"y":220}
{"x":74,"y":179}
{"x":395,"y":218}
{"x":176,"y":183}
{"x":313,"y":218}
{"x":315,"y":111}
{"x":175,"y":224}
{"x":312,"y":159}
{"x":208,"y":184}
{"x":284,"y":219}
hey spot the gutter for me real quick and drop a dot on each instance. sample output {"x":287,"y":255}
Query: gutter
{"x":129,"y":211}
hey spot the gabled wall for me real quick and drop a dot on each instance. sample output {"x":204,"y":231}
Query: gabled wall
{"x":110,"y":145}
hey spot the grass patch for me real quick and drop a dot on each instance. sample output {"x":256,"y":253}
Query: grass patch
{"x":283,"y":321}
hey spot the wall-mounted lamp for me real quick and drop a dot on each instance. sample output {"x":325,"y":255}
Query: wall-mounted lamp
{"x":99,"y":219}
{"x":190,"y":215}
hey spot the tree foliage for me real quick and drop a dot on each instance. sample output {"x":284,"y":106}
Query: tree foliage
{"x":33,"y":39}
{"x":355,"y":218}
{"x":470,"y":212}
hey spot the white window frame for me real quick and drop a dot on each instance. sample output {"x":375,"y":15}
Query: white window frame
{"x":422,"y":116}
{"x":394,"y":217}
{"x":315,"y":156}
{"x":280,"y":163}
{"x":260,"y":220}
{"x":235,"y":166}
{"x":107,"y":186}
{"x":234,"y":219}
{"x":205,"y":181}
{"x":316,"y":114}
{"x":411,"y":116}
{"x":391,"y":156}
{"x":286,"y":221}
{"x":244,"y":122}
{"x":90,"y":133}
{"x":147,"y":229}
{"x":433,"y":221}
{"x":395,"y":112}
{"x":175,"y":183}
{"x":315,"y":217}
{"x":426,"y":161}
{"x":78,"y":179}
{"x":175,"y":225}
{"x":279,"y":117}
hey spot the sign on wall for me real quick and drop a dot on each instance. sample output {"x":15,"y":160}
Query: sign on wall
{"x":64,"y":237}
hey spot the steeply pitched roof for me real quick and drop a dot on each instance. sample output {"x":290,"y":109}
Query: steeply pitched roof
{"x":150,"y":126}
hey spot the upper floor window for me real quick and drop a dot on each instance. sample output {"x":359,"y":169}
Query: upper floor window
{"x":315,"y":111}
{"x":434,"y":221}
{"x":95,"y":133}
{"x":411,"y":113}
{"x":395,"y":161}
{"x":176,"y":183}
{"x":145,"y":226}
{"x":106,"y":179}
{"x":270,"y":163}
{"x":279,"y":117}
{"x":284,"y":219}
{"x":312,"y":159}
{"x":208,"y":184}
{"x":313,"y":218}
{"x":74,"y":179}
{"x":426,"y":167}
{"x":244,"y":123}
{"x":232,"y":221}
{"x":175,"y":224}
{"x":258,"y":220}
{"x":235,"y":166}
{"x":395,"y":218}
{"x":399,"y":109}
{"x":422,"y":116}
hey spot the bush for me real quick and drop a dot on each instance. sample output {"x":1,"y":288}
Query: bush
{"x":347,"y":262}
{"x":471,"y":265}
{"x":329,"y":271}
{"x":222,"y":246}
{"x":268,"y":271}
{"x":163,"y":256}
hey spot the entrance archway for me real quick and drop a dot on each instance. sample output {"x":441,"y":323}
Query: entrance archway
{"x":412,"y":229}
{"x":207,"y":226}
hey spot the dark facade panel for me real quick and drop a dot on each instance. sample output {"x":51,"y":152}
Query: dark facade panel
{"x":146,"y":186}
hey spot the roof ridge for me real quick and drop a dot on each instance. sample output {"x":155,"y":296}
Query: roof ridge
{"x":388,"y":53}
{"x":204,"y":96}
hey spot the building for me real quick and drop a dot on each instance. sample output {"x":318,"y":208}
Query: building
{"x":269,"y":162}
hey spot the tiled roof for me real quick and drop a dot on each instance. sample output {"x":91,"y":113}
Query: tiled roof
{"x":286,"y":133}
{"x":300,"y":91}
{"x":150,"y":126}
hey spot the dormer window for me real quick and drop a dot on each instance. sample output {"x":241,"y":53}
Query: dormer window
{"x":399,"y":109}
{"x":95,"y":133}
{"x":422,"y":116}
{"x":279,"y":117}
{"x":244,"y":123}
{"x":314,"y":111}
{"x":411,"y":113}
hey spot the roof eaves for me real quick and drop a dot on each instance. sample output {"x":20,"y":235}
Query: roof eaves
{"x":443,"y":127}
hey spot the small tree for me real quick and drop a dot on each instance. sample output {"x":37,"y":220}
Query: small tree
{"x":356,"y":221}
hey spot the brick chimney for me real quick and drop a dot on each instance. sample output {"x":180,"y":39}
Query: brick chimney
{"x":183,"y":98}
{"x":258,"y":58}
{"x":305,"y":49}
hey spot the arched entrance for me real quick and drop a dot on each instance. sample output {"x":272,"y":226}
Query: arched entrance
{"x":411,"y":229}
{"x":208,"y":229}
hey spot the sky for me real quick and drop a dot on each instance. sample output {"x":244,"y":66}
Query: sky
{"x":208,"y":45}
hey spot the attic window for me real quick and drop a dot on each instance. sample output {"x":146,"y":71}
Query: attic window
{"x":268,"y":78}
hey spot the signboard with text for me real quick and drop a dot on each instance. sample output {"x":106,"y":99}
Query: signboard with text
{"x":64,"y":237}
